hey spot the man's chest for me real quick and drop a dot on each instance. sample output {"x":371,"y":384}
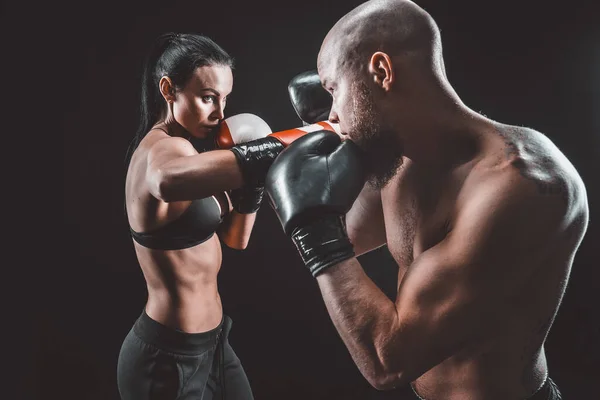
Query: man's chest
{"x":418,"y":215}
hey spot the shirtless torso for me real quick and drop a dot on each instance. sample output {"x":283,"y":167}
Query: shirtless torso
{"x":514,"y":216}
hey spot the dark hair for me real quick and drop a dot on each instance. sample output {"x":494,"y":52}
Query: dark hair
{"x":176,"y":55}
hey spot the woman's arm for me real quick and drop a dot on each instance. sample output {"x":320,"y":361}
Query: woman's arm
{"x":176,"y":172}
{"x":236,"y":229}
{"x":244,"y":204}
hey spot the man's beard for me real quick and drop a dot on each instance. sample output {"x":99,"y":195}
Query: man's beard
{"x":383,"y":153}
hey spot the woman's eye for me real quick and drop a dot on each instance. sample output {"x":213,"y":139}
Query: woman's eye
{"x":208,"y":99}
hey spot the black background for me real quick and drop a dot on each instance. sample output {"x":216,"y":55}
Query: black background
{"x":520,"y":62}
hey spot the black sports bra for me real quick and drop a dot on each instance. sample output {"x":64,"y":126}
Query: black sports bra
{"x":196,"y":225}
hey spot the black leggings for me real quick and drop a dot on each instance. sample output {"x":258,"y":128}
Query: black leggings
{"x":157,"y":362}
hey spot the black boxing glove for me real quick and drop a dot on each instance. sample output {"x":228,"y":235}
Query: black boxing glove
{"x":246,"y":199}
{"x":310,"y":100}
{"x":311,"y":186}
{"x":255,"y":157}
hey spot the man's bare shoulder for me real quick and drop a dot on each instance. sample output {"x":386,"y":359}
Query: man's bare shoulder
{"x":532,"y":177}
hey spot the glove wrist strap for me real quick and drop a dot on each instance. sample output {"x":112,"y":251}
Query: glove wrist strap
{"x":255,"y":157}
{"x":323,"y":243}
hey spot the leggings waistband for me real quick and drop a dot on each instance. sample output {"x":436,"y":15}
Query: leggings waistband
{"x":174,"y":340}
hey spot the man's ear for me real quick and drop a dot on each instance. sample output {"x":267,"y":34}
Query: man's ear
{"x":382,"y":71}
{"x":167,"y":90}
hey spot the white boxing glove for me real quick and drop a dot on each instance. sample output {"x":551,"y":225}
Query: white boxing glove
{"x":241,"y":128}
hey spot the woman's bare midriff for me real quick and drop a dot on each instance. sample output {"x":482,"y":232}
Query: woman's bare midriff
{"x":182,"y":285}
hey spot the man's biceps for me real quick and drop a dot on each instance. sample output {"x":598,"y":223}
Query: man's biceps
{"x":355,"y":218}
{"x":470,"y":284}
{"x":364,"y":211}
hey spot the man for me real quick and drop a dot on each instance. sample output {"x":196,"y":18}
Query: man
{"x":483,"y":218}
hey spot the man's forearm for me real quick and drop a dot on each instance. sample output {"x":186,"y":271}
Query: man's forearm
{"x":363,"y":315}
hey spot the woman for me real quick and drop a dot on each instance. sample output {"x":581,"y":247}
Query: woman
{"x":175,"y":202}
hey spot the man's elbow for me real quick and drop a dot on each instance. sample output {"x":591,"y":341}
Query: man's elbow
{"x":389,"y":375}
{"x":387,"y":381}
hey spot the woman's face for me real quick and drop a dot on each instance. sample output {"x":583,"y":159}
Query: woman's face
{"x":199,"y":106}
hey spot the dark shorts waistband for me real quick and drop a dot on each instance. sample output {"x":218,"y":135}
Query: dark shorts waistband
{"x":547,"y":391}
{"x":176,"y":341}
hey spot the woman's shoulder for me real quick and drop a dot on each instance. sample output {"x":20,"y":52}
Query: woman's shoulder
{"x":157,"y":140}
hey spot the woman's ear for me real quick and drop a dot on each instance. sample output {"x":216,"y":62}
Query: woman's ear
{"x":167,"y":89}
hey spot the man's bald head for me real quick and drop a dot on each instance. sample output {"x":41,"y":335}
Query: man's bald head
{"x":394,"y":27}
{"x":382,"y":64}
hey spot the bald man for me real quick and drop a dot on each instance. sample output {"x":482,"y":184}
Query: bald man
{"x":483,"y":218}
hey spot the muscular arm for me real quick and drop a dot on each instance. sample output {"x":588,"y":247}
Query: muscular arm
{"x":176,"y":172}
{"x":452,"y":294}
{"x":364,"y":221}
